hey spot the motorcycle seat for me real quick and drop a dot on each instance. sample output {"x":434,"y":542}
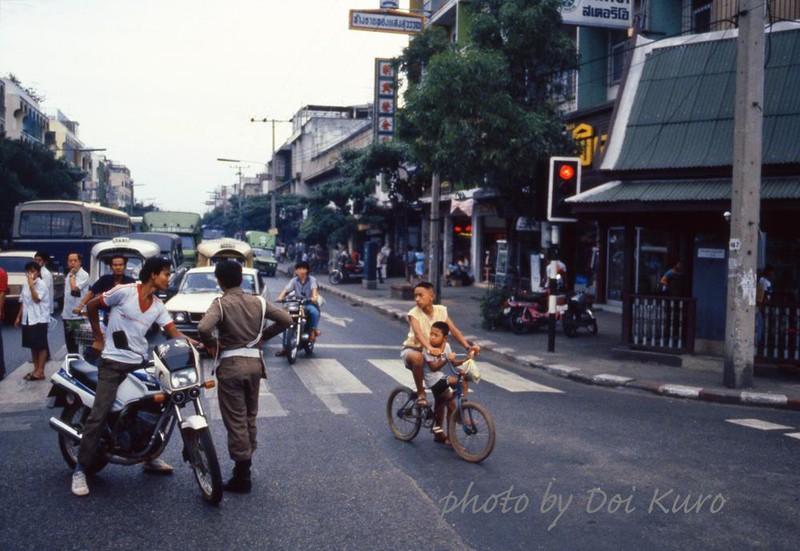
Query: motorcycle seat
{"x":84,"y":372}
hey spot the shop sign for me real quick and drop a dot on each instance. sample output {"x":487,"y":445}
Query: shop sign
{"x":385,"y":99}
{"x":388,"y":21}
{"x":614,"y":14}
{"x":718,"y":254}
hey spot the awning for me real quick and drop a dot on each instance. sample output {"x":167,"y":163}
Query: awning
{"x":666,"y":191}
{"x":462,"y":207}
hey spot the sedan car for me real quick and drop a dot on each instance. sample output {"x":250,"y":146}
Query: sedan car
{"x":264,"y":261}
{"x":13,"y":262}
{"x":197,"y":291}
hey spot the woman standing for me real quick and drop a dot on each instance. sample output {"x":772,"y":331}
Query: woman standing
{"x":34,"y":317}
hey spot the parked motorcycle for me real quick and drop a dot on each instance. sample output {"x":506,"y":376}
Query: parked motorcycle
{"x":150,"y":402}
{"x":345,"y":272}
{"x":528,"y":313}
{"x":579,"y":314}
{"x":296,"y":337}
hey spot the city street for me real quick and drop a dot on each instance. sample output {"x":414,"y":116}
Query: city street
{"x":574,"y":467}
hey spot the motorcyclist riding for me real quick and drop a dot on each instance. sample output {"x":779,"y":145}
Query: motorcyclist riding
{"x":305,"y":286}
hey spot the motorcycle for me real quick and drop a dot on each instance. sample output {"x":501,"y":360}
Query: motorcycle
{"x":149,"y":405}
{"x":524,"y":315}
{"x":297,"y":337}
{"x":579,"y":314}
{"x":346,"y":271}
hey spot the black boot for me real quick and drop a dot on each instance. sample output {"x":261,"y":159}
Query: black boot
{"x":240,"y":482}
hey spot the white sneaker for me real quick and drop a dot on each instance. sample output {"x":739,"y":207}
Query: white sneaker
{"x":158,"y":466}
{"x":79,"y":486}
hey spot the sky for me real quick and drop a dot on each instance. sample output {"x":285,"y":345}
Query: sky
{"x":169,"y":86}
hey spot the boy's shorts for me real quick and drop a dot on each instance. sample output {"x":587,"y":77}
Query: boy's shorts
{"x":440,"y":387}
{"x":404,"y":354}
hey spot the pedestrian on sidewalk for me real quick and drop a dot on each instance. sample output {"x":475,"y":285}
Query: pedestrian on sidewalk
{"x":239,"y":318}
{"x":77,"y":285}
{"x":419,"y":266}
{"x":411,"y":260}
{"x":34,"y":317}
{"x":383,"y":261}
{"x":42,"y":258}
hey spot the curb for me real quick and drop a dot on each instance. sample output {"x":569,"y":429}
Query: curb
{"x":722,"y":396}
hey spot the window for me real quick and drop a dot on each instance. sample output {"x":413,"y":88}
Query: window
{"x":50,"y":224}
{"x":616,"y":60}
{"x":701,"y":16}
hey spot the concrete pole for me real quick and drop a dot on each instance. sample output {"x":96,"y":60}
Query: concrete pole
{"x":745,"y":197}
{"x":273,"y":217}
{"x":434,"y":237}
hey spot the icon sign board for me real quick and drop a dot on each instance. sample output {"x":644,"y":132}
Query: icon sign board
{"x":387,"y":21}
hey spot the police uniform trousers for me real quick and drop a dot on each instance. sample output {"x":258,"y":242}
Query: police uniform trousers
{"x":239,"y":379}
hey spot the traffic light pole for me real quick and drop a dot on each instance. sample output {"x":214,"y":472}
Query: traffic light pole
{"x":552,"y":285}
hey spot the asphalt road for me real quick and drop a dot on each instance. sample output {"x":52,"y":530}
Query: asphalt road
{"x":575,"y":467}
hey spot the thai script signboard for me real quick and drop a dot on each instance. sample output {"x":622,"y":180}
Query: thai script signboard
{"x":385,"y":99}
{"x":615,"y":14}
{"x":388,"y":21}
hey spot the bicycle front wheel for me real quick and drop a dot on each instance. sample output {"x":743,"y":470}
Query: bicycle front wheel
{"x":473,"y":439}
{"x":403,"y":414}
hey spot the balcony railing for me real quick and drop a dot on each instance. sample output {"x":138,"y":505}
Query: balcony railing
{"x":779,"y":339}
{"x":662,"y":324}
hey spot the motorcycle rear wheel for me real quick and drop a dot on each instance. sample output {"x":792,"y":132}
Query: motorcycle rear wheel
{"x":203,"y":460}
{"x":517,"y":322}
{"x":335,"y":277}
{"x":593,"y":327}
{"x":75,"y":415}
{"x":570,"y":325}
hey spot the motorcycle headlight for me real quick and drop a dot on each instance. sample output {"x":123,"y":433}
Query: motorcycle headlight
{"x":183,"y":378}
{"x":180,"y":317}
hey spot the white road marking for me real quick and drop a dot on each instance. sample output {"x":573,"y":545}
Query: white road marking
{"x":327,"y":378}
{"x":489,"y":372}
{"x":795,"y":435}
{"x":758,"y":424}
{"x":268,"y":404}
{"x":341,"y":322}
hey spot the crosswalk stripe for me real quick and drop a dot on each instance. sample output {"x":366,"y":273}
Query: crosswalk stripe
{"x":268,"y":404}
{"x":758,"y":424}
{"x":327,"y":378}
{"x":795,"y":435}
{"x":489,"y":372}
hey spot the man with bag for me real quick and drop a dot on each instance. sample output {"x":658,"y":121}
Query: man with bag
{"x":239,"y":318}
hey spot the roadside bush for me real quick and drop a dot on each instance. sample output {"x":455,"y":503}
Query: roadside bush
{"x":492,"y":308}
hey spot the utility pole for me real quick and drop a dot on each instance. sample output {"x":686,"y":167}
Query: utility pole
{"x":273,"y":211}
{"x":745,"y":196}
{"x":434,"y":237}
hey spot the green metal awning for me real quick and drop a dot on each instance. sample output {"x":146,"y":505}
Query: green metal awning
{"x":681,"y":191}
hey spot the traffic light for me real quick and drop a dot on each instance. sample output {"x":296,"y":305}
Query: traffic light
{"x":565,"y":181}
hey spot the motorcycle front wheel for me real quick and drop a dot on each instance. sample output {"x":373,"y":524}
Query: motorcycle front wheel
{"x":203,"y":460}
{"x":75,"y":415}
{"x":335,"y":277}
{"x":570,"y":324}
{"x":517,"y":321}
{"x":290,"y":344}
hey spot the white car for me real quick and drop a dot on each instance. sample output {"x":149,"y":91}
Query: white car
{"x":13,"y":262}
{"x":198,"y":290}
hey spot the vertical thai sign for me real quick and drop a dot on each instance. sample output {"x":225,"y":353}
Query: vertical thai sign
{"x":385,"y":99}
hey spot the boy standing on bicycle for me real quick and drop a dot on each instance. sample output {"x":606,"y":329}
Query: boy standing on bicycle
{"x":440,"y":383}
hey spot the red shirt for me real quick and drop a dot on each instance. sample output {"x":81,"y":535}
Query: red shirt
{"x":3,"y":281}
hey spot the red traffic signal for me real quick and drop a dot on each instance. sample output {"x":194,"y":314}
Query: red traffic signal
{"x":565,"y":181}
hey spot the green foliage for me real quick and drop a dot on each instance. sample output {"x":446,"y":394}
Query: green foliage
{"x":482,"y":112}
{"x":492,"y":316}
{"x":29,"y":172}
{"x":255,"y":215}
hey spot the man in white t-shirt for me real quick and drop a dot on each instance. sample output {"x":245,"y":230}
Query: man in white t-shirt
{"x":134,"y":308}
{"x":42,"y":258}
{"x":76,"y":286}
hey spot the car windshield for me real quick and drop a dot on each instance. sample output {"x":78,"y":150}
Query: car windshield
{"x":202,"y":282}
{"x":262,"y":253}
{"x":132,"y":267}
{"x":14,"y":263}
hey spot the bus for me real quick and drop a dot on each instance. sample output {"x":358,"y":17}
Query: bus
{"x":59,"y":227}
{"x":185,"y":224}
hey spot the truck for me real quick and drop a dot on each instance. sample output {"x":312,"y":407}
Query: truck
{"x":185,"y":224}
{"x":263,"y":244}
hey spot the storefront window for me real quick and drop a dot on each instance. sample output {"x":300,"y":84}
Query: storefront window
{"x":652,"y":260}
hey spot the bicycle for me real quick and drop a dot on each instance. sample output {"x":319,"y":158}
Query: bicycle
{"x":470,"y":427}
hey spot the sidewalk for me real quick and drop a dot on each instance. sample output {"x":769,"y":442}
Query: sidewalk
{"x":586,"y":358}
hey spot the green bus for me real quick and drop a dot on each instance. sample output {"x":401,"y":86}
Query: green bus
{"x":185,"y":224}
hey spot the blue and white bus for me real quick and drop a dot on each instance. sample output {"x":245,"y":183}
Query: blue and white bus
{"x":58,"y":227}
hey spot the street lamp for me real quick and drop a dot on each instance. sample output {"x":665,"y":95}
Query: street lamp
{"x":273,"y":216}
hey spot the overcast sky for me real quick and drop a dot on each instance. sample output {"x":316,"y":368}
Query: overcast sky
{"x":167,"y":86}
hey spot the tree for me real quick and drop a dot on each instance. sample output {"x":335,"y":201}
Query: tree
{"x":481,"y":113}
{"x":28,"y":172}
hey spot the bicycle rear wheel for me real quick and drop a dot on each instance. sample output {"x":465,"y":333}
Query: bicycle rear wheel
{"x":473,"y":440}
{"x":403,"y":414}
